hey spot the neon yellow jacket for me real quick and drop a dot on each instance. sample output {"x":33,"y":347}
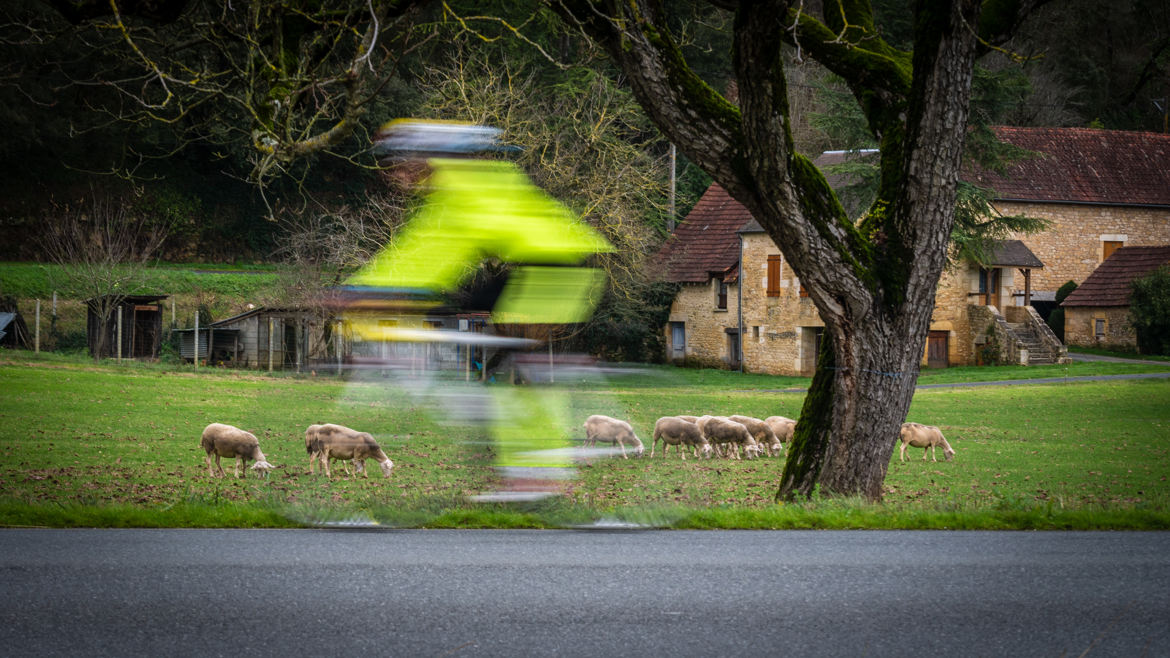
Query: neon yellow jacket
{"x":480,"y":209}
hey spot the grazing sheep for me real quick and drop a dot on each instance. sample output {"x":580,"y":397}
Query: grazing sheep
{"x":926,"y":437}
{"x":340,"y":442}
{"x":312,"y":445}
{"x":719,"y":430}
{"x":782,"y":427}
{"x":674,"y":431}
{"x":611,"y":430}
{"x":766,"y":440}
{"x":227,"y":441}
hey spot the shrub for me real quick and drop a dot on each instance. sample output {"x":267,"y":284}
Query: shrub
{"x":1149,"y":311}
{"x":1055,"y":319}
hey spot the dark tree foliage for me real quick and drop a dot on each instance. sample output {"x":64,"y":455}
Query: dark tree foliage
{"x":1149,"y":311}
{"x":1055,"y":318}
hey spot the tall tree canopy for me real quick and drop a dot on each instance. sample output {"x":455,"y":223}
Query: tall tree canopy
{"x":874,"y":281}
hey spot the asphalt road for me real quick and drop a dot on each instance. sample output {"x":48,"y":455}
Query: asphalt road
{"x":574,"y":593}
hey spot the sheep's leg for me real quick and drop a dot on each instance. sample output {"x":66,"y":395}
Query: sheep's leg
{"x":210,"y":470}
{"x":325,"y":458}
{"x":622,"y":445}
{"x":654,"y":446}
{"x":679,"y":449}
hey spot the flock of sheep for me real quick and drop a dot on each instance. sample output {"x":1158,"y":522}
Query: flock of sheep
{"x":727,"y":436}
{"x":324,"y":443}
{"x":706,"y":436}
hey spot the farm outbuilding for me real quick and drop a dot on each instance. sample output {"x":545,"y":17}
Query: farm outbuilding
{"x":132,"y":329}
{"x":277,"y":338}
{"x":1097,"y":312}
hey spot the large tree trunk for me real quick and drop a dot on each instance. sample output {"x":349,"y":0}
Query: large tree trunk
{"x":873,"y":282}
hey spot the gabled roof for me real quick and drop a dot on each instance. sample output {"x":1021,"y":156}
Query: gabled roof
{"x":1109,"y":284}
{"x":1083,"y":165}
{"x":1013,"y":253}
{"x":705,"y":244}
{"x":265,"y":310}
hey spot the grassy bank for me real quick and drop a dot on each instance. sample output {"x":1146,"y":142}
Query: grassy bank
{"x":114,"y":445}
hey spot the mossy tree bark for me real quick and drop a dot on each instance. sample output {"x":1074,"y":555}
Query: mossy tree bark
{"x":872,"y":281}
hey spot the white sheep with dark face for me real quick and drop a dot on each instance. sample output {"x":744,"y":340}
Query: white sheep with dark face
{"x":228,"y":441}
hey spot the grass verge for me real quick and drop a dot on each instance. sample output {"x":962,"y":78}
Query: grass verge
{"x":116,"y":445}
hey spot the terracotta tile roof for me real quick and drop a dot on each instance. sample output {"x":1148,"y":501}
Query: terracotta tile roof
{"x":706,"y":242}
{"x":1108,"y":285}
{"x":1083,"y":165}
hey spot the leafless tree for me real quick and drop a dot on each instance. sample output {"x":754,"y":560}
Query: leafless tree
{"x":101,"y":245}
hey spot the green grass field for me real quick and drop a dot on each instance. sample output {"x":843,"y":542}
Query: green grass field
{"x":113,"y":445}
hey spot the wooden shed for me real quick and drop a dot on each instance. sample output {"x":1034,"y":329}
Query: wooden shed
{"x":280,"y":338}
{"x":134,"y":319}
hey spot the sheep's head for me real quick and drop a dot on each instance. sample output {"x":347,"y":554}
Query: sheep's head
{"x":262,"y":468}
{"x":387,"y":466}
{"x":638,"y":451}
{"x":949,"y":453}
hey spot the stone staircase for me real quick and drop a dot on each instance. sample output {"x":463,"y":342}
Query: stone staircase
{"x":1039,"y":353}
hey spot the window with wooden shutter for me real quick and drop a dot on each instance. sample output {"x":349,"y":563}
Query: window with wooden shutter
{"x":774,"y":275}
{"x":1110,"y":246}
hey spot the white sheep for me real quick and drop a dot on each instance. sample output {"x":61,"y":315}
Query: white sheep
{"x":766,"y":439}
{"x":227,"y":441}
{"x":926,"y":437}
{"x":720,"y":430}
{"x":312,"y":445}
{"x":782,"y":427}
{"x":675,"y":431}
{"x":611,"y":430}
{"x":340,"y":442}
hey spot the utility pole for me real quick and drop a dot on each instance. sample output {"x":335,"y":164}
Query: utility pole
{"x":673,"y":183}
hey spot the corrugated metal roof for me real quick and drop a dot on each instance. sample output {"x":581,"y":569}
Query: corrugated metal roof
{"x":1109,"y":284}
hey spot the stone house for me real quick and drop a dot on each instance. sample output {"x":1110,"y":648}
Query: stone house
{"x":1097,"y":312}
{"x":1095,"y":199}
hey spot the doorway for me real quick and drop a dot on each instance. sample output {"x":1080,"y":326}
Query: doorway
{"x":937,"y":349}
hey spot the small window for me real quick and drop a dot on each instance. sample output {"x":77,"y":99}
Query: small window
{"x":774,"y":261}
{"x":1110,"y":246}
{"x":721,"y":297}
{"x":803,"y":291}
{"x":756,"y":332}
{"x":1099,"y":328}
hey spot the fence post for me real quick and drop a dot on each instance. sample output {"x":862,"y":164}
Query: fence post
{"x":119,"y":332}
{"x":340,"y":345}
{"x":270,"y":343}
{"x":196,"y":338}
{"x":37,"y":331}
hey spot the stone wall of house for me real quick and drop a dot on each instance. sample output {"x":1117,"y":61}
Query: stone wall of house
{"x":705,"y":325}
{"x":951,"y":313}
{"x":1073,"y":245}
{"x":1080,"y":327}
{"x":779,"y":332}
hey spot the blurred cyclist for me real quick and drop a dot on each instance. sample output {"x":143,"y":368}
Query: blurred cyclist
{"x":478,"y":210}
